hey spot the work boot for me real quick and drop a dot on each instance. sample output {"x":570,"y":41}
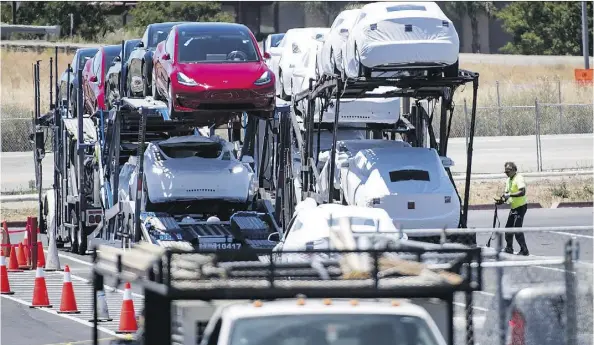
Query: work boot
{"x":508,"y":250}
{"x":524,"y":251}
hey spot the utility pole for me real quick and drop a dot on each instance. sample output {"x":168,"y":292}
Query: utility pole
{"x":14,"y":10}
{"x":585,"y":43}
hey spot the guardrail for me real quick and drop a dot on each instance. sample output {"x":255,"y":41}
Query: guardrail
{"x":52,"y":31}
{"x":24,"y":45}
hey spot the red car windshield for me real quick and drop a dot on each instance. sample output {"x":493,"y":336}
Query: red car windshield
{"x":214,"y":47}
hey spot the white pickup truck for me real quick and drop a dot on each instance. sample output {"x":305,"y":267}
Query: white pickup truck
{"x":303,"y":321}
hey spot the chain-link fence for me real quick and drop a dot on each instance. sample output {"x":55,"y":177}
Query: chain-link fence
{"x":15,"y":134}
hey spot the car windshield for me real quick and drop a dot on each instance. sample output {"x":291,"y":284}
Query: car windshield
{"x":185,"y":150}
{"x":216,"y":47}
{"x":275,"y":40}
{"x":129,"y":48}
{"x":409,"y":175}
{"x":363,"y":224}
{"x":332,"y":329}
{"x":159,"y":35}
{"x":82,"y":60}
{"x":109,"y":56}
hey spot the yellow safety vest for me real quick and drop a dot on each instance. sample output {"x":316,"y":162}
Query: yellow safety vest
{"x":514,"y":185}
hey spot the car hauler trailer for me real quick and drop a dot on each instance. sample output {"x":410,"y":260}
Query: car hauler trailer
{"x":89,"y":151}
{"x":296,"y":140}
{"x":183,"y":289}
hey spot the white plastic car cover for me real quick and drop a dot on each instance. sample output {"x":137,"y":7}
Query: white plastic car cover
{"x":195,"y":178}
{"x":401,"y":33}
{"x":346,"y":149}
{"x":386,"y":184}
{"x":336,"y":40}
{"x":363,"y":110}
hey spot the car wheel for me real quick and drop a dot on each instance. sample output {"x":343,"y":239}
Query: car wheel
{"x":170,"y":107}
{"x":452,"y":70}
{"x":73,"y":102}
{"x":333,"y":63}
{"x":283,"y":95}
{"x":154,"y":90}
{"x":73,"y":230}
{"x":146,"y":91}
{"x":363,"y":71}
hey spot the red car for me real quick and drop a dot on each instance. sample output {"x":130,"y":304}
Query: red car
{"x":94,"y":78}
{"x":214,"y":70}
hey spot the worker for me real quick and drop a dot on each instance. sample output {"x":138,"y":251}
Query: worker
{"x":515,"y":195}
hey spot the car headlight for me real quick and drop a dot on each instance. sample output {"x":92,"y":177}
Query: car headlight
{"x":185,"y":80}
{"x":236,"y":169}
{"x":264,"y":79}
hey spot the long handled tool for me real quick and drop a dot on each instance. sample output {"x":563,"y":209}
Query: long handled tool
{"x":496,"y":222}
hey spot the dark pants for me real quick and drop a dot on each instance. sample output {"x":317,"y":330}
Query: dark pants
{"x":515,"y":220}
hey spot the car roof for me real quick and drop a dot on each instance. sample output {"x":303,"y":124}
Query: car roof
{"x":163,"y":25}
{"x":86,"y":50}
{"x":211,"y":26}
{"x":112,"y":49}
{"x":316,"y":306}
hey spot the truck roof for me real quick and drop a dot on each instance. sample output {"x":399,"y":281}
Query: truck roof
{"x":319,"y":306}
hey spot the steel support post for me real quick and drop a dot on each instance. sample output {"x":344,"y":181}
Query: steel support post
{"x":51,"y":83}
{"x":140,"y":173}
{"x":500,"y":301}
{"x":81,"y":154}
{"x":571,"y":251}
{"x":469,"y":151}
{"x":331,"y":159}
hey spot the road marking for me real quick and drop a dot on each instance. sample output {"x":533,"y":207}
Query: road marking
{"x":83,"y":341}
{"x":458,"y":304}
{"x":572,"y":234}
{"x":82,"y":322}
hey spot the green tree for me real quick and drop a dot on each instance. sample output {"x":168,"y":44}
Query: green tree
{"x":545,"y":28}
{"x":89,"y":19}
{"x":149,"y":12}
{"x":473,"y":9}
{"x":330,"y":9}
{"x":6,"y":12}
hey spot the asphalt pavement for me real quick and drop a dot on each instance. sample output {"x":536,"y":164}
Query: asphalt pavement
{"x":490,"y":153}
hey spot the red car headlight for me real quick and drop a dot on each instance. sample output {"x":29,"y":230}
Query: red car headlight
{"x":264,"y":79}
{"x":185,"y":80}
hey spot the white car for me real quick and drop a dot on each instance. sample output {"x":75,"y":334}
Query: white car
{"x":389,"y":36}
{"x":291,"y":48}
{"x":271,"y":46}
{"x":346,"y":149}
{"x":313,"y":321}
{"x":330,"y":61}
{"x":311,"y":225}
{"x":410,"y":183}
{"x":190,"y":168}
{"x":352,"y":110}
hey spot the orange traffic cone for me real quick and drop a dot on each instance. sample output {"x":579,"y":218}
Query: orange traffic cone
{"x":127,"y":315}
{"x":4,"y":284}
{"x":40,"y":298}
{"x":13,"y":263}
{"x":68,"y":304}
{"x":40,"y":255}
{"x":21,"y":257}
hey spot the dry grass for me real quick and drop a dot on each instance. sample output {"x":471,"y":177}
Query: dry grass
{"x":18,"y":211}
{"x":543,"y":191}
{"x":518,"y":86}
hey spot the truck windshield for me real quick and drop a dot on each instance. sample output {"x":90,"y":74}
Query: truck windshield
{"x":332,"y":329}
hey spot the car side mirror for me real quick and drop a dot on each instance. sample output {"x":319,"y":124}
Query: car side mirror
{"x":140,"y":45}
{"x":247,"y":159}
{"x":266,"y":55}
{"x":274,"y":237}
{"x":93,"y":79}
{"x":166,"y":56}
